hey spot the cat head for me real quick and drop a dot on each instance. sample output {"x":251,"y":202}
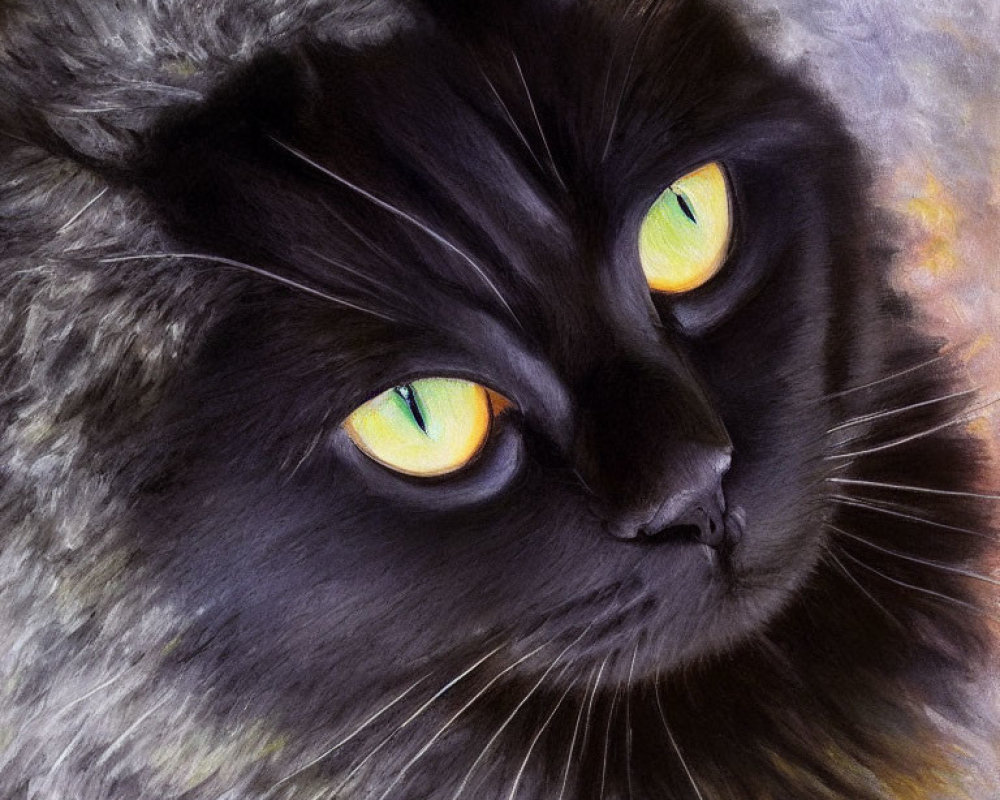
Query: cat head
{"x":468,"y":229}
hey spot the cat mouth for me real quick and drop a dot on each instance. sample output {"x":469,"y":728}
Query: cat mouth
{"x":606,"y":627}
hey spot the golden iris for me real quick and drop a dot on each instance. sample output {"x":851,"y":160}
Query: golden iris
{"x":684,"y":238}
{"x":429,"y":427}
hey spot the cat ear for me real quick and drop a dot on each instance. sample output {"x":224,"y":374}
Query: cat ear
{"x":261,"y":99}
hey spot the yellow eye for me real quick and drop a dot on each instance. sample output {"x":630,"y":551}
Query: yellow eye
{"x":429,"y":427}
{"x":685,"y":235}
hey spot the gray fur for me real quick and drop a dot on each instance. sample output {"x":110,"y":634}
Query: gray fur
{"x":81,"y":368}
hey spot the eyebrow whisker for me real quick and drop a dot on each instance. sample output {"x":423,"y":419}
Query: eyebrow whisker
{"x":264,"y":273}
{"x":624,"y":84}
{"x":398,"y":212}
{"x":538,"y":122}
{"x":510,"y":118}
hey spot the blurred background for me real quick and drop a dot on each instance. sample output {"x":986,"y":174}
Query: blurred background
{"x":919,"y":82}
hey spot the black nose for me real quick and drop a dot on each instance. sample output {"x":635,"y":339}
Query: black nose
{"x":695,"y":509}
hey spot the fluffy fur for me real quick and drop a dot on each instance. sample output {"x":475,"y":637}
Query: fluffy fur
{"x":144,"y":654}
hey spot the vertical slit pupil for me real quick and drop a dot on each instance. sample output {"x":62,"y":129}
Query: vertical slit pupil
{"x":410,"y":398}
{"x":683,"y":203}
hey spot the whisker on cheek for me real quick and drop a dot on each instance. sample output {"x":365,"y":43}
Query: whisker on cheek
{"x":542,"y":728}
{"x":850,"y":576}
{"x":590,"y":686}
{"x":673,"y":741}
{"x":422,"y":710}
{"x":916,"y":559}
{"x":878,"y":508}
{"x":914,"y":489}
{"x":964,"y":417}
{"x":510,"y":717}
{"x":877,"y":415}
{"x":334,"y":748}
{"x":920,"y":589}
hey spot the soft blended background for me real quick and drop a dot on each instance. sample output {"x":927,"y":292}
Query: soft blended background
{"x":919,"y":82}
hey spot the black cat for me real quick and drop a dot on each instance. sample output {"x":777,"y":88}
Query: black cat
{"x":512,"y":407}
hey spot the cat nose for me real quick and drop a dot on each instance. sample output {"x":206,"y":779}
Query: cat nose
{"x":695,"y":512}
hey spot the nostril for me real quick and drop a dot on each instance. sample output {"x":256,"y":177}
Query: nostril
{"x":700,"y":524}
{"x":677,"y":533}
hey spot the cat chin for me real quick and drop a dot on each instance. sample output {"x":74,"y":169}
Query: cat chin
{"x":645,"y":633}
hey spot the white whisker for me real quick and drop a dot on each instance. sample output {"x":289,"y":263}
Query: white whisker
{"x":66,"y":751}
{"x":334,"y":748}
{"x":879,"y":509}
{"x":673,"y":741}
{"x":590,"y":705}
{"x":324,"y":792}
{"x":417,"y":714}
{"x":380,"y":286}
{"x":66,"y":225}
{"x":91,"y":693}
{"x":102,"y":110}
{"x":861,"y":588}
{"x":310,"y":449}
{"x":538,"y":122}
{"x":628,"y":721}
{"x":510,"y":118}
{"x":607,"y":741}
{"x":123,"y":737}
{"x":917,"y":489}
{"x":576,"y":731}
{"x":624,"y":86}
{"x":916,"y":559}
{"x":291,"y":284}
{"x":369,"y":243}
{"x":895,"y":411}
{"x":887,"y":378}
{"x":920,"y":589}
{"x":538,"y":735}
{"x":958,"y":420}
{"x":454,"y":717}
{"x":398,"y":212}
{"x":510,"y":717}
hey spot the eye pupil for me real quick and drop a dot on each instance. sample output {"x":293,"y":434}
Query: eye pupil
{"x":683,"y":240}
{"x":683,"y":203}
{"x":409,"y":397}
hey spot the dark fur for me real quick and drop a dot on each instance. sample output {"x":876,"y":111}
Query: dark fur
{"x":246,"y":589}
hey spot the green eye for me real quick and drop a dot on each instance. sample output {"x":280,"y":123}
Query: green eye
{"x":685,"y":235}
{"x":429,"y":427}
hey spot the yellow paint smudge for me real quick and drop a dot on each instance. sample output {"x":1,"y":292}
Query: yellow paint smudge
{"x":980,"y":428}
{"x":982,"y":342}
{"x":275,"y":746}
{"x":172,"y":645}
{"x":936,"y":217}
{"x":198,"y":756}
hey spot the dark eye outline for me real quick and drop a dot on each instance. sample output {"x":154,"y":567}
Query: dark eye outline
{"x":495,"y":468}
{"x":720,"y":262}
{"x":760,"y":212}
{"x":497,"y":405}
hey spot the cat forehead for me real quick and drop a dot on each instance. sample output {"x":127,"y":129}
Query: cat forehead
{"x":494,"y":164}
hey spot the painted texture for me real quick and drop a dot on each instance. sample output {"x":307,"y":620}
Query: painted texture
{"x":918,"y":82}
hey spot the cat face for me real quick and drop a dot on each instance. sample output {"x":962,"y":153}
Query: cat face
{"x":466,"y":203}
